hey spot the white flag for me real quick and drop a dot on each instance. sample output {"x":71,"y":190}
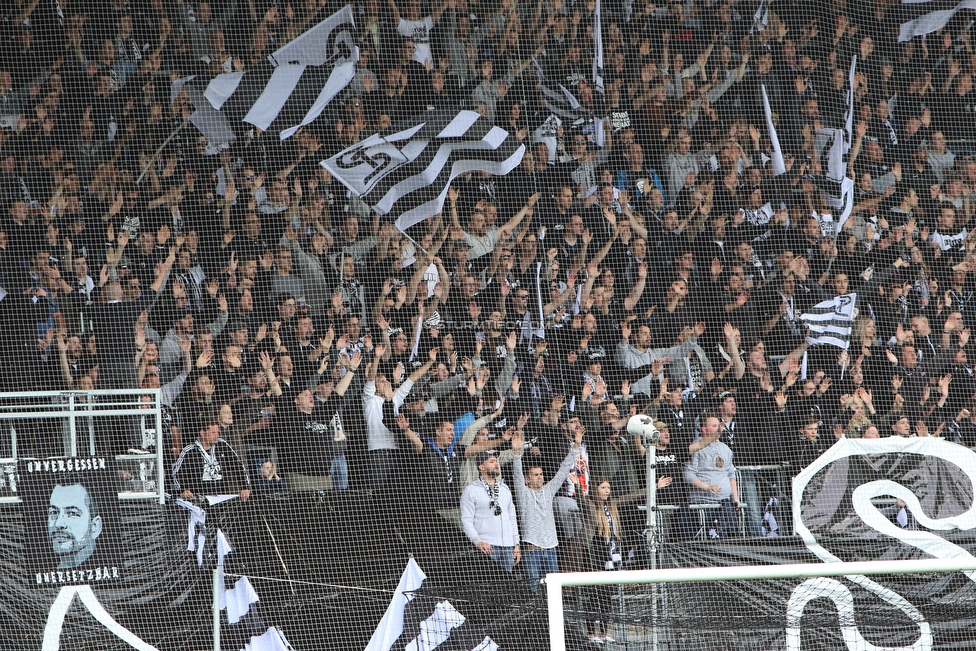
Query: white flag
{"x":391,"y":626}
{"x":931,"y":22}
{"x":597,"y":50}
{"x":779,"y":165}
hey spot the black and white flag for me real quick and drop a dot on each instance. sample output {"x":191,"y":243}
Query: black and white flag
{"x":415,"y":622}
{"x":302,"y":78}
{"x":779,"y":165}
{"x":242,"y":606}
{"x":830,"y":322}
{"x":411,"y":169}
{"x":329,"y":49}
{"x":560,"y":101}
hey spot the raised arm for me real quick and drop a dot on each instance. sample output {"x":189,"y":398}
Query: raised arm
{"x":513,"y":223}
{"x":415,"y":441}
{"x":732,"y":346}
{"x":436,"y":14}
{"x":378,"y":351}
{"x":420,"y":372}
{"x":268,"y":365}
{"x":635,"y":294}
{"x":354,"y":362}
{"x":395,"y":11}
{"x":65,"y":367}
{"x":167,"y":264}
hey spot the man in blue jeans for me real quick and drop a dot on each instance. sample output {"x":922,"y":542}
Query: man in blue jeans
{"x":534,"y":495}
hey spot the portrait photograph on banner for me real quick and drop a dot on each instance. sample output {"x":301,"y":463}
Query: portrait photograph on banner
{"x":71,"y":521}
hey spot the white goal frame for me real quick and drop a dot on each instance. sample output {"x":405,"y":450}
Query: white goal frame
{"x":555,"y":581}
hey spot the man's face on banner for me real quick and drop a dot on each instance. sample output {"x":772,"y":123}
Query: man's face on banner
{"x":71,"y":525}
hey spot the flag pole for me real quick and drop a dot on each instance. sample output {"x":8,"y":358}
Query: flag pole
{"x":416,"y":244}
{"x":156,"y":155}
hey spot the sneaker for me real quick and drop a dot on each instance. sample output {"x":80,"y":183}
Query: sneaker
{"x":608,"y":638}
{"x":139,"y":451}
{"x":596,"y":640}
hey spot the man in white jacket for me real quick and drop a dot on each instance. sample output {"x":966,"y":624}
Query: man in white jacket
{"x":488,"y":514}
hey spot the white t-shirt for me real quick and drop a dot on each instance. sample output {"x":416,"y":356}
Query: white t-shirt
{"x":947,"y":242}
{"x":419,"y":32}
{"x":481,"y":245}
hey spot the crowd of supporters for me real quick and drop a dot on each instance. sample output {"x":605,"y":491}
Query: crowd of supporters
{"x":643,"y":259}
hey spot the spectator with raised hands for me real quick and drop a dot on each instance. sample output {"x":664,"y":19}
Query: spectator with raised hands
{"x":535,"y":499}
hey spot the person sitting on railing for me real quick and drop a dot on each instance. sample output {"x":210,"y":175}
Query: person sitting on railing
{"x":751,"y":445}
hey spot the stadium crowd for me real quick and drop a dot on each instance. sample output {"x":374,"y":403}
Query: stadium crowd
{"x":642,"y":259}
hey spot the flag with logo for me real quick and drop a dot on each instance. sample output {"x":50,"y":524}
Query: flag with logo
{"x":300,"y":80}
{"x":830,"y":322}
{"x":410,"y":170}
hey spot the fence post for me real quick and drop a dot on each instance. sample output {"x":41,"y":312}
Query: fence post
{"x":72,"y":427}
{"x":217,"y":580}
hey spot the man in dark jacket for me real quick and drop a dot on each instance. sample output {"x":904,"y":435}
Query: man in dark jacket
{"x":210,"y":467}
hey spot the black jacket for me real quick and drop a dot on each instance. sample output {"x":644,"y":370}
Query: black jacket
{"x":219,"y":472}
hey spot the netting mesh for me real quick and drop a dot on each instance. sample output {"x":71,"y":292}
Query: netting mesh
{"x":776,"y":614}
{"x":353,"y":305}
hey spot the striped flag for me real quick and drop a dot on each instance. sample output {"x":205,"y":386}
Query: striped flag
{"x":830,"y":322}
{"x":411,"y":169}
{"x":298,"y":83}
{"x":330,"y":44}
{"x":560,"y":101}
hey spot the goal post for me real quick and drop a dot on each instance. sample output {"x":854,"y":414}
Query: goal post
{"x":854,"y":571}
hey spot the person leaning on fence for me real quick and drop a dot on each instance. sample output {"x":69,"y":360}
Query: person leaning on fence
{"x":711,"y":476}
{"x":535,"y":500}
{"x":209,"y":466}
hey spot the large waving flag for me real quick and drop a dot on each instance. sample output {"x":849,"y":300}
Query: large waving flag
{"x":411,"y":169}
{"x":290,"y":91}
{"x":330,"y":44}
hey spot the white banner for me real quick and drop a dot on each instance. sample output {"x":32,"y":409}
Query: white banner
{"x":931,"y":22}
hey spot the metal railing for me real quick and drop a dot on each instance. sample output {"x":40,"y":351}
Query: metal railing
{"x":79,"y":412}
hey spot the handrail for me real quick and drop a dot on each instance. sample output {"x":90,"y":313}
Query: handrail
{"x":80,"y":409}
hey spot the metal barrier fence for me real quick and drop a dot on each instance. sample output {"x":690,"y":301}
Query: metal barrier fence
{"x":82,"y":416}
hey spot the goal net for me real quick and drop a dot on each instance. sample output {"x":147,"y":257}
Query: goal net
{"x":865,"y":606}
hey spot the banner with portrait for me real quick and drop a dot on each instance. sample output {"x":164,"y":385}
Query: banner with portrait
{"x":71,"y":521}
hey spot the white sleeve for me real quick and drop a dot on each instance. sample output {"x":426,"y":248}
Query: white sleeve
{"x":513,"y":518}
{"x":467,"y":516}
{"x":402,"y":391}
